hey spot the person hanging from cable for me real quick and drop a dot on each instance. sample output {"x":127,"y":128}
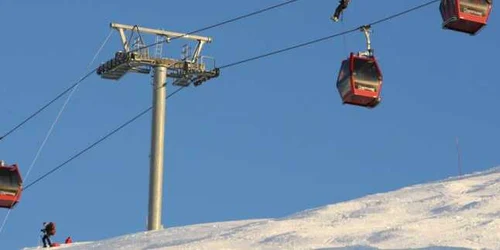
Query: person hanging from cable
{"x":340,"y":9}
{"x":49,"y":229}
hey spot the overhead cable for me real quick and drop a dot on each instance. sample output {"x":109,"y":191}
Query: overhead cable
{"x":228,"y":66}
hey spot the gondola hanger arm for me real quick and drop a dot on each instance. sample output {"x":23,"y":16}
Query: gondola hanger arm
{"x":366,"y":29}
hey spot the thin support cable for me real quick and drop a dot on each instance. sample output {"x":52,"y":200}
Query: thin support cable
{"x":5,"y":220}
{"x":51,"y":129}
{"x":49,"y":133}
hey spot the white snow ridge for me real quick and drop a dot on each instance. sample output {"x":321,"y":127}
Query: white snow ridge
{"x":457,"y":213}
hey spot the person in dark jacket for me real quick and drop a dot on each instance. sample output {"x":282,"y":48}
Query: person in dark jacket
{"x":49,"y":229}
{"x":342,"y":6}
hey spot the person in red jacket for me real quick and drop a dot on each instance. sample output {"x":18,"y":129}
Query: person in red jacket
{"x":68,"y":240}
{"x":342,"y":6}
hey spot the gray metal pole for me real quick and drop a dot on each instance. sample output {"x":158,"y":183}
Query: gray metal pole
{"x":157,"y":143}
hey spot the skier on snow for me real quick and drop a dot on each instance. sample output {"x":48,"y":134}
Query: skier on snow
{"x":49,"y":229}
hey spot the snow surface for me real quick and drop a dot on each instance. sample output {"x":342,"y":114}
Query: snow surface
{"x":456,"y":213}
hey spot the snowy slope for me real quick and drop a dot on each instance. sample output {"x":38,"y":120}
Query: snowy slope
{"x":455,"y":213}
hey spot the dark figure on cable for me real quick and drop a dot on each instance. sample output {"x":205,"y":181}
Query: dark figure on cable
{"x":49,"y":229}
{"x":342,"y":6}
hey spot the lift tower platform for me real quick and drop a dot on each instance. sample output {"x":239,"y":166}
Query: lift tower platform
{"x":136,"y":58}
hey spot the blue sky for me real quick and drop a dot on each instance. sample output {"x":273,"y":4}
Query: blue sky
{"x":265,"y":139}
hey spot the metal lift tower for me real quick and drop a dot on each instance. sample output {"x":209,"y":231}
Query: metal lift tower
{"x":135,"y":57}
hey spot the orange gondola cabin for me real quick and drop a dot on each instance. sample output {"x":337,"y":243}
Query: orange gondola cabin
{"x":10,"y":185}
{"x":360,"y":80}
{"x":467,"y":16}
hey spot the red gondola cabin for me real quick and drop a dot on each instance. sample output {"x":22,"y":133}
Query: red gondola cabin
{"x":10,"y":185}
{"x":468,"y":16}
{"x":359,"y":81}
